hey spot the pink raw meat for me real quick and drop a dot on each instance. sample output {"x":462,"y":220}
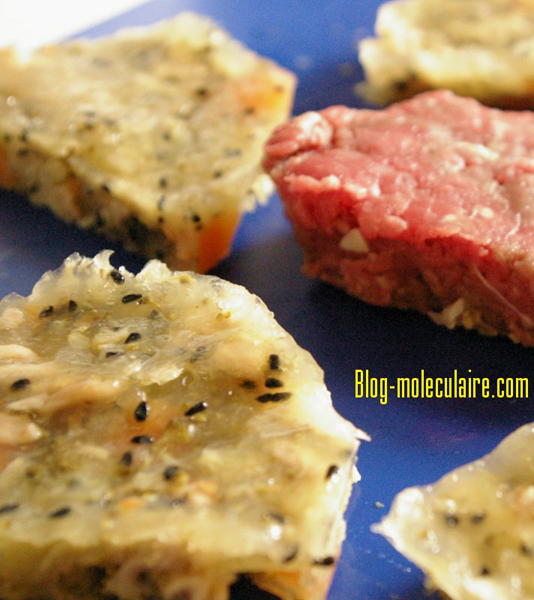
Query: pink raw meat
{"x":428,"y":204}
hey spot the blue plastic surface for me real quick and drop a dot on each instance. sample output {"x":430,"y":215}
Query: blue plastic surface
{"x":414,"y":441}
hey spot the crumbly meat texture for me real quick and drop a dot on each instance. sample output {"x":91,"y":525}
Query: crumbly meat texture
{"x":479,"y":48}
{"x":152,"y":136}
{"x":472,"y":531}
{"x":426,"y":205}
{"x":161,"y":434}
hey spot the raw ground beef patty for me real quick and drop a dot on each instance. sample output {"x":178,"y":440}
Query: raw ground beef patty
{"x":428,"y":205}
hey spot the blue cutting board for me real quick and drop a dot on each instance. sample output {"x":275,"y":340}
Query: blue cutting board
{"x":414,"y":441}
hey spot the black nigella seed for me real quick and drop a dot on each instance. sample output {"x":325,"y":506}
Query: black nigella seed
{"x":117,"y":276}
{"x":133,"y":337}
{"x":451,"y":520}
{"x":248,"y":384}
{"x":7,"y":508}
{"x":478,"y":518}
{"x":20,"y":384}
{"x":328,"y":561}
{"x":199,"y":407}
{"x":202,"y":91}
{"x":73,"y":305}
{"x":110,"y":354}
{"x":217,"y":174}
{"x":131,"y":298}
{"x":332,"y":470}
{"x":524,"y":549}
{"x":195,"y":218}
{"x":274,"y":362}
{"x":141,"y":412}
{"x":170,"y":472}
{"x":46,"y":312}
{"x":127,"y":459}
{"x":272,"y":382}
{"x":275,"y":516}
{"x":276,"y":397}
{"x":485,"y":571}
{"x":105,"y":187}
{"x":292,"y":554}
{"x":162,"y":182}
{"x":143,"y":439}
{"x":62,"y":512}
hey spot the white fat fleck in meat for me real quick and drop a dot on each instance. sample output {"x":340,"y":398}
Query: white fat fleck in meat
{"x":353,"y":241}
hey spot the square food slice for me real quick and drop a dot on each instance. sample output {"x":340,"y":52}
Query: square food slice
{"x":161,"y":434}
{"x":480,"y":48}
{"x":472,"y":532}
{"x":152,"y":136}
{"x":425,"y":205}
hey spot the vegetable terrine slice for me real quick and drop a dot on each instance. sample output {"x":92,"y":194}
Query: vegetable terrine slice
{"x":427,"y":205}
{"x":472,"y":532}
{"x":159,"y":435}
{"x":152,"y":136}
{"x":480,"y":48}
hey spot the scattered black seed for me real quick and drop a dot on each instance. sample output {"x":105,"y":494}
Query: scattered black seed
{"x":162,"y":183}
{"x":202,"y":92}
{"x":133,"y":337}
{"x":20,"y":384}
{"x":328,"y":561}
{"x":23,"y":152}
{"x":401,"y":86}
{"x":332,"y":470}
{"x":33,"y":189}
{"x":73,"y":305}
{"x":127,"y":459}
{"x":110,"y":354}
{"x":195,"y":218}
{"x":272,"y":382}
{"x":46,"y":312}
{"x":248,"y":385}
{"x":105,"y":187}
{"x":199,"y":407}
{"x":90,"y":113}
{"x":274,"y":362}
{"x":62,"y":512}
{"x":178,"y":502}
{"x":478,"y":518}
{"x":99,"y":221}
{"x":24,"y":136}
{"x":89,"y":125}
{"x":217,"y":174}
{"x":137,"y":231}
{"x":143,"y":439}
{"x":249,"y":111}
{"x":292,"y":554}
{"x":141,"y":412}
{"x":7,"y":508}
{"x":167,"y":136}
{"x":524,"y":549}
{"x":276,"y":397}
{"x":199,"y":353}
{"x":451,"y":520}
{"x":170,"y":472}
{"x":143,"y":577}
{"x":275,"y":516}
{"x":117,"y":276}
{"x":131,"y":298}
{"x":161,"y":219}
{"x":485,"y":571}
